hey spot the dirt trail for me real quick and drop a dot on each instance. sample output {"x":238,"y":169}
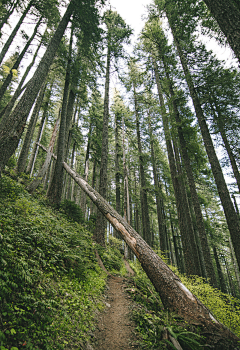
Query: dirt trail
{"x":115,"y":329}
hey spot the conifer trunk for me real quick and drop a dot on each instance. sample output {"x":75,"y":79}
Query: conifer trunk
{"x":99,"y":232}
{"x":143,"y":189}
{"x":196,"y":205}
{"x":157,"y":187}
{"x":226,"y":143}
{"x":227,"y":13}
{"x":86,"y":171}
{"x":22,"y":159}
{"x":230,"y":214}
{"x":117,"y":168}
{"x":7,"y":110}
{"x":182,"y":207}
{"x":55,"y":189}
{"x":30,"y":166}
{"x":8,"y":14}
{"x":42,"y":172}
{"x":12,"y":129}
{"x":8,"y":79}
{"x":14,"y":32}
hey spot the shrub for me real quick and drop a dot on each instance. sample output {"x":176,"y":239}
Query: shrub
{"x":73,"y":211}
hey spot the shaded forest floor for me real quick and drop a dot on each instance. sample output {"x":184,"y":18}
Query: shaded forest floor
{"x":115,"y":329}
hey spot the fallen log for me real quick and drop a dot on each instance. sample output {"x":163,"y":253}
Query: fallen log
{"x":174,"y":295}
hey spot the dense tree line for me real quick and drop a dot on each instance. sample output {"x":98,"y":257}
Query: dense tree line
{"x":151,"y":150}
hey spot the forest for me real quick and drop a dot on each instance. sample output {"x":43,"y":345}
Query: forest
{"x":119,"y":161}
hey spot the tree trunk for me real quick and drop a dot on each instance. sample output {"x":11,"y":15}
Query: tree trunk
{"x":193,"y":237}
{"x":196,"y":205}
{"x":36,"y":182}
{"x":55,"y":189}
{"x":8,"y":14}
{"x":182,"y":207}
{"x":127,"y":215}
{"x":234,"y":262}
{"x":21,"y":164}
{"x":30,"y":166}
{"x":143,"y":188}
{"x":8,"y":79}
{"x":157,"y":188}
{"x":117,"y":159}
{"x":99,"y":232}
{"x":68,"y":194}
{"x":174,"y":295}
{"x":14,"y":32}
{"x":7,"y":110}
{"x":227,"y":13}
{"x":86,"y":170}
{"x":92,"y":206}
{"x":230,"y":214}
{"x":12,"y":129}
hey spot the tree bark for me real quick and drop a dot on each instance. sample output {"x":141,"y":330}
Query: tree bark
{"x":218,"y":119}
{"x":30,"y":166}
{"x":12,"y":129}
{"x":8,"y":14}
{"x":86,"y":171}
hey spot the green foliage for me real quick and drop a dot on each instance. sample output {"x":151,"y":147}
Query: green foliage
{"x":223,"y":306}
{"x":73,"y":211}
{"x":152,"y":320}
{"x":112,"y":255}
{"x":50,"y":283}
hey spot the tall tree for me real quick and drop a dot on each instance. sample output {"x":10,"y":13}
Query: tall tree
{"x":226,"y":13}
{"x":11,"y":130}
{"x":8,"y":79}
{"x":14,"y":32}
{"x":231,"y":216}
{"x":117,"y":34}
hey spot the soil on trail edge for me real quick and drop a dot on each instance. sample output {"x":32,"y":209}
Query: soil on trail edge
{"x":115,"y":329}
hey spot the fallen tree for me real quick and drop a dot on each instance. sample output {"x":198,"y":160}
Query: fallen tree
{"x":174,"y":295}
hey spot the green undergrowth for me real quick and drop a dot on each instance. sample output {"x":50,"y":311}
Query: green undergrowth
{"x":152,"y":321}
{"x":50,"y":282}
{"x":112,"y":256}
{"x":223,"y":306}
